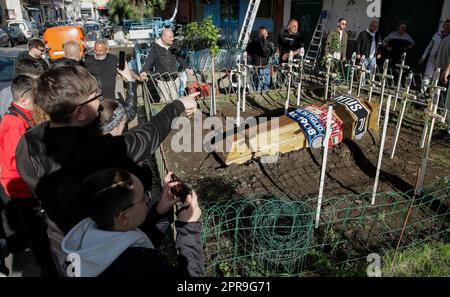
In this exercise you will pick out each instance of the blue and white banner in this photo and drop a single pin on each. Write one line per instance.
(312, 126)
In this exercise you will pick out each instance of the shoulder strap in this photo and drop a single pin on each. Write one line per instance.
(12, 110)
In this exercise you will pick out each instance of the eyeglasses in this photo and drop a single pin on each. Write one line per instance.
(100, 94)
(40, 49)
(146, 198)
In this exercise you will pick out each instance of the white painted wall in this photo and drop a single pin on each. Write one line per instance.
(445, 12)
(14, 4)
(354, 11)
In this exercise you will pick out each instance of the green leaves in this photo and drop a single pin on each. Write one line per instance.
(133, 10)
(203, 33)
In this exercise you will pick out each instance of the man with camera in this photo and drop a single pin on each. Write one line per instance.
(114, 240)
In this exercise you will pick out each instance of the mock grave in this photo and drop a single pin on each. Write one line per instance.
(301, 128)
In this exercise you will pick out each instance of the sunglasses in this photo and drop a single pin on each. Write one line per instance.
(100, 94)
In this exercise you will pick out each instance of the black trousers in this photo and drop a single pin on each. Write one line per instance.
(24, 226)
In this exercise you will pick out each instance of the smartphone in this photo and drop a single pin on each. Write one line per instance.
(122, 60)
(180, 191)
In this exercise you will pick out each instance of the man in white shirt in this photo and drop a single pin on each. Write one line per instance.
(367, 46)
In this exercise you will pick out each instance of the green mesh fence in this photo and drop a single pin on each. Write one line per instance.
(266, 235)
(275, 236)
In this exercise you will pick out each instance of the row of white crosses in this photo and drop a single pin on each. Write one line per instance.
(402, 67)
(241, 74)
(430, 114)
(292, 64)
(328, 74)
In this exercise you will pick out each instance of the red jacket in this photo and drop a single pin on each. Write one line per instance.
(11, 130)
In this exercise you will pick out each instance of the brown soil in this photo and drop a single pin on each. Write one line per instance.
(351, 165)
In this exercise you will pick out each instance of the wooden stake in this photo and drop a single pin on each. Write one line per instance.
(399, 83)
(384, 76)
(380, 155)
(244, 91)
(324, 163)
(400, 120)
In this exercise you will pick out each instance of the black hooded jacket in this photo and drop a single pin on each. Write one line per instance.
(49, 159)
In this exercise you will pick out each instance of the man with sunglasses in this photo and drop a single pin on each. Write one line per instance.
(336, 44)
(36, 51)
(24, 224)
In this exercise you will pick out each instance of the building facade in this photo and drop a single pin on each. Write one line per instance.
(39, 11)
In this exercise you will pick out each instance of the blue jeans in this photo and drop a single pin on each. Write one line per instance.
(261, 79)
(370, 63)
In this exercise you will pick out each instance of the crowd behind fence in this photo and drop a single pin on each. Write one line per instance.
(273, 77)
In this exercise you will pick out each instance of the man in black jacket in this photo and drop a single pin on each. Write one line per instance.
(290, 40)
(69, 147)
(166, 63)
(113, 240)
(368, 46)
(259, 51)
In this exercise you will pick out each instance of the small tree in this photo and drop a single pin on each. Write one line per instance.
(133, 9)
(205, 33)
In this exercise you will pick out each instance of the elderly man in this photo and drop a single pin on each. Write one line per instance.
(290, 40)
(165, 59)
(103, 66)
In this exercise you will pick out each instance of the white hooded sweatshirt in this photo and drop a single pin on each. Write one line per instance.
(98, 249)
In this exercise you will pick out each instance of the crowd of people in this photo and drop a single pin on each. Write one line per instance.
(73, 177)
(370, 49)
(73, 181)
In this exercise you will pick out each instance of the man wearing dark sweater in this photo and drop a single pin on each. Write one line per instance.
(103, 66)
(368, 46)
(166, 63)
(259, 51)
(290, 40)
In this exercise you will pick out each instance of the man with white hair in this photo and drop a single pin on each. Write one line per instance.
(103, 66)
(166, 63)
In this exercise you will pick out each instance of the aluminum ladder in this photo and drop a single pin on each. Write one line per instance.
(247, 26)
(315, 46)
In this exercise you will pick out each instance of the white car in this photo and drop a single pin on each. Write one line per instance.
(26, 27)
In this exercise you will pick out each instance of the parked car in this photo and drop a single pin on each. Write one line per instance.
(92, 31)
(55, 38)
(8, 62)
(26, 27)
(15, 35)
(4, 39)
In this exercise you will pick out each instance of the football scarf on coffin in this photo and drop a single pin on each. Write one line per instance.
(337, 133)
(358, 111)
(312, 126)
